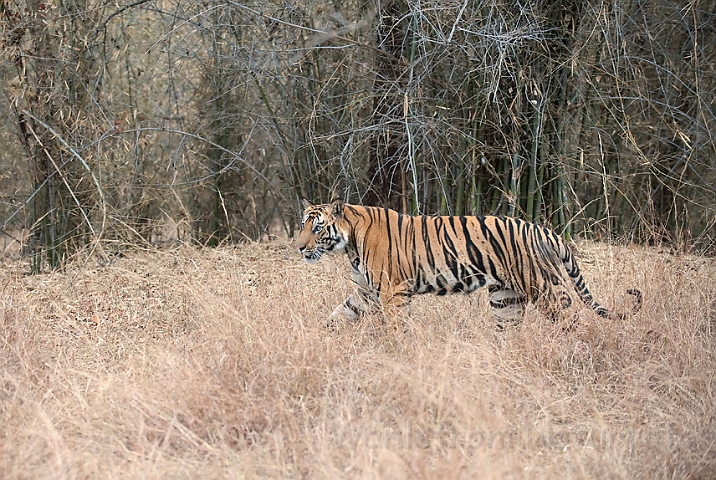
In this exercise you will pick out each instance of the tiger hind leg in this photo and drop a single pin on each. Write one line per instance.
(507, 305)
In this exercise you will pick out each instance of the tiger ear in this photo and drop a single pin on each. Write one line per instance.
(306, 204)
(337, 206)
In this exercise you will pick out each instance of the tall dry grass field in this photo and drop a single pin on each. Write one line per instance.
(196, 363)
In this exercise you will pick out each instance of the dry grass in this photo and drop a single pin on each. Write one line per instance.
(213, 364)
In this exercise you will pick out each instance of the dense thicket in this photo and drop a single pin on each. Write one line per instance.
(125, 122)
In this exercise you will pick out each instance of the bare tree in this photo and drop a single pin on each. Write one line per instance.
(149, 120)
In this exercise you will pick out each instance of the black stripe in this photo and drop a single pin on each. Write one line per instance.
(451, 255)
(430, 259)
(517, 260)
(496, 245)
(473, 253)
(389, 234)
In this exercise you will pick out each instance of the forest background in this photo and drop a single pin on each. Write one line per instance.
(125, 123)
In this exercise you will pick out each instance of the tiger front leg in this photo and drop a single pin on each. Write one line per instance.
(395, 303)
(352, 308)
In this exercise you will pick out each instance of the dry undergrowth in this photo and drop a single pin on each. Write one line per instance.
(196, 363)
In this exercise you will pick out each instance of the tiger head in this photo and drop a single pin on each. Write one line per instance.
(321, 230)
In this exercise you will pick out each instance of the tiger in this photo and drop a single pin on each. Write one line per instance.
(394, 256)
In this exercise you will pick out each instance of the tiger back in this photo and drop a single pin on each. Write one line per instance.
(394, 256)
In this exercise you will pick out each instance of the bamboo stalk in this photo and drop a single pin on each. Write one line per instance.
(532, 178)
(460, 194)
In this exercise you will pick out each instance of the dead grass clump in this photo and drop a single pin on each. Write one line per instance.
(215, 363)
